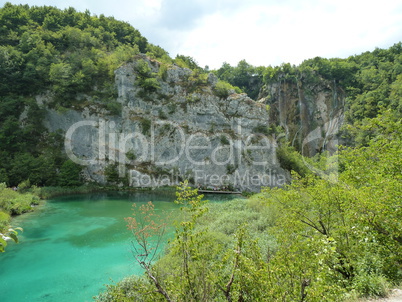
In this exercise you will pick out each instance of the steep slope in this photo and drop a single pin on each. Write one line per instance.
(310, 113)
(179, 127)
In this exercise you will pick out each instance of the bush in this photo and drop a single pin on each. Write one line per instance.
(224, 140)
(114, 107)
(224, 89)
(371, 285)
(130, 288)
(145, 126)
(262, 129)
(230, 168)
(150, 84)
(112, 173)
(21, 204)
(291, 160)
(70, 174)
(4, 221)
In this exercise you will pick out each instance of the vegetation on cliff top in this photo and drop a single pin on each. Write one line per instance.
(372, 82)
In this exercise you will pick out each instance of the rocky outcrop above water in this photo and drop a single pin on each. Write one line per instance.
(173, 125)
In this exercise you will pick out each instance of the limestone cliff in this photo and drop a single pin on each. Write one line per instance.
(172, 126)
(310, 112)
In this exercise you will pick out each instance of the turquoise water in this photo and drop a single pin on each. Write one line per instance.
(72, 246)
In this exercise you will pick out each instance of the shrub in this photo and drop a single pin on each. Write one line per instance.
(143, 69)
(261, 129)
(4, 221)
(114, 107)
(145, 126)
(21, 204)
(223, 89)
(70, 174)
(230, 168)
(371, 285)
(162, 115)
(131, 155)
(150, 84)
(163, 72)
(224, 140)
(112, 173)
(291, 160)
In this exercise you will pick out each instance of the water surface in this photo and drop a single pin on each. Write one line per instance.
(72, 246)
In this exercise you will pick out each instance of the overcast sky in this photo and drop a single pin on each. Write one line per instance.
(265, 33)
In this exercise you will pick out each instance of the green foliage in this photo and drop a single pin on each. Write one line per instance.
(371, 82)
(12, 234)
(162, 115)
(186, 62)
(65, 50)
(230, 169)
(131, 155)
(245, 76)
(223, 89)
(130, 288)
(291, 160)
(157, 52)
(163, 72)
(146, 126)
(224, 140)
(49, 192)
(261, 129)
(145, 77)
(315, 240)
(12, 202)
(196, 82)
(114, 107)
(150, 84)
(112, 173)
(371, 285)
(143, 69)
(4, 221)
(69, 175)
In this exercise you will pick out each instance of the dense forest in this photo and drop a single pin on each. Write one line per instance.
(321, 238)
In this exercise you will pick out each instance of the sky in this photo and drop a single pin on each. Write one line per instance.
(262, 32)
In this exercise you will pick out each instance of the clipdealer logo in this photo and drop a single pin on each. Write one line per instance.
(113, 146)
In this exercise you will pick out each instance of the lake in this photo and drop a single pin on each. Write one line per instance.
(74, 245)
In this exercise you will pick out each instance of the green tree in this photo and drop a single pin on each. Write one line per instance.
(70, 174)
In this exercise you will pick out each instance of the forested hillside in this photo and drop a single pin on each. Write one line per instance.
(323, 237)
(44, 50)
(72, 56)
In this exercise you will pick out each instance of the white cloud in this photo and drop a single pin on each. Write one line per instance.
(264, 32)
(265, 35)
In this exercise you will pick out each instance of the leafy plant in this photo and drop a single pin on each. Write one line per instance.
(131, 155)
(69, 175)
(145, 126)
(224, 89)
(230, 169)
(112, 173)
(12, 234)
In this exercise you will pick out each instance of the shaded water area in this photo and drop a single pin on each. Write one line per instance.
(72, 246)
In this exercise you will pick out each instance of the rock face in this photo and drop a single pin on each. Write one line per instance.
(172, 126)
(309, 112)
